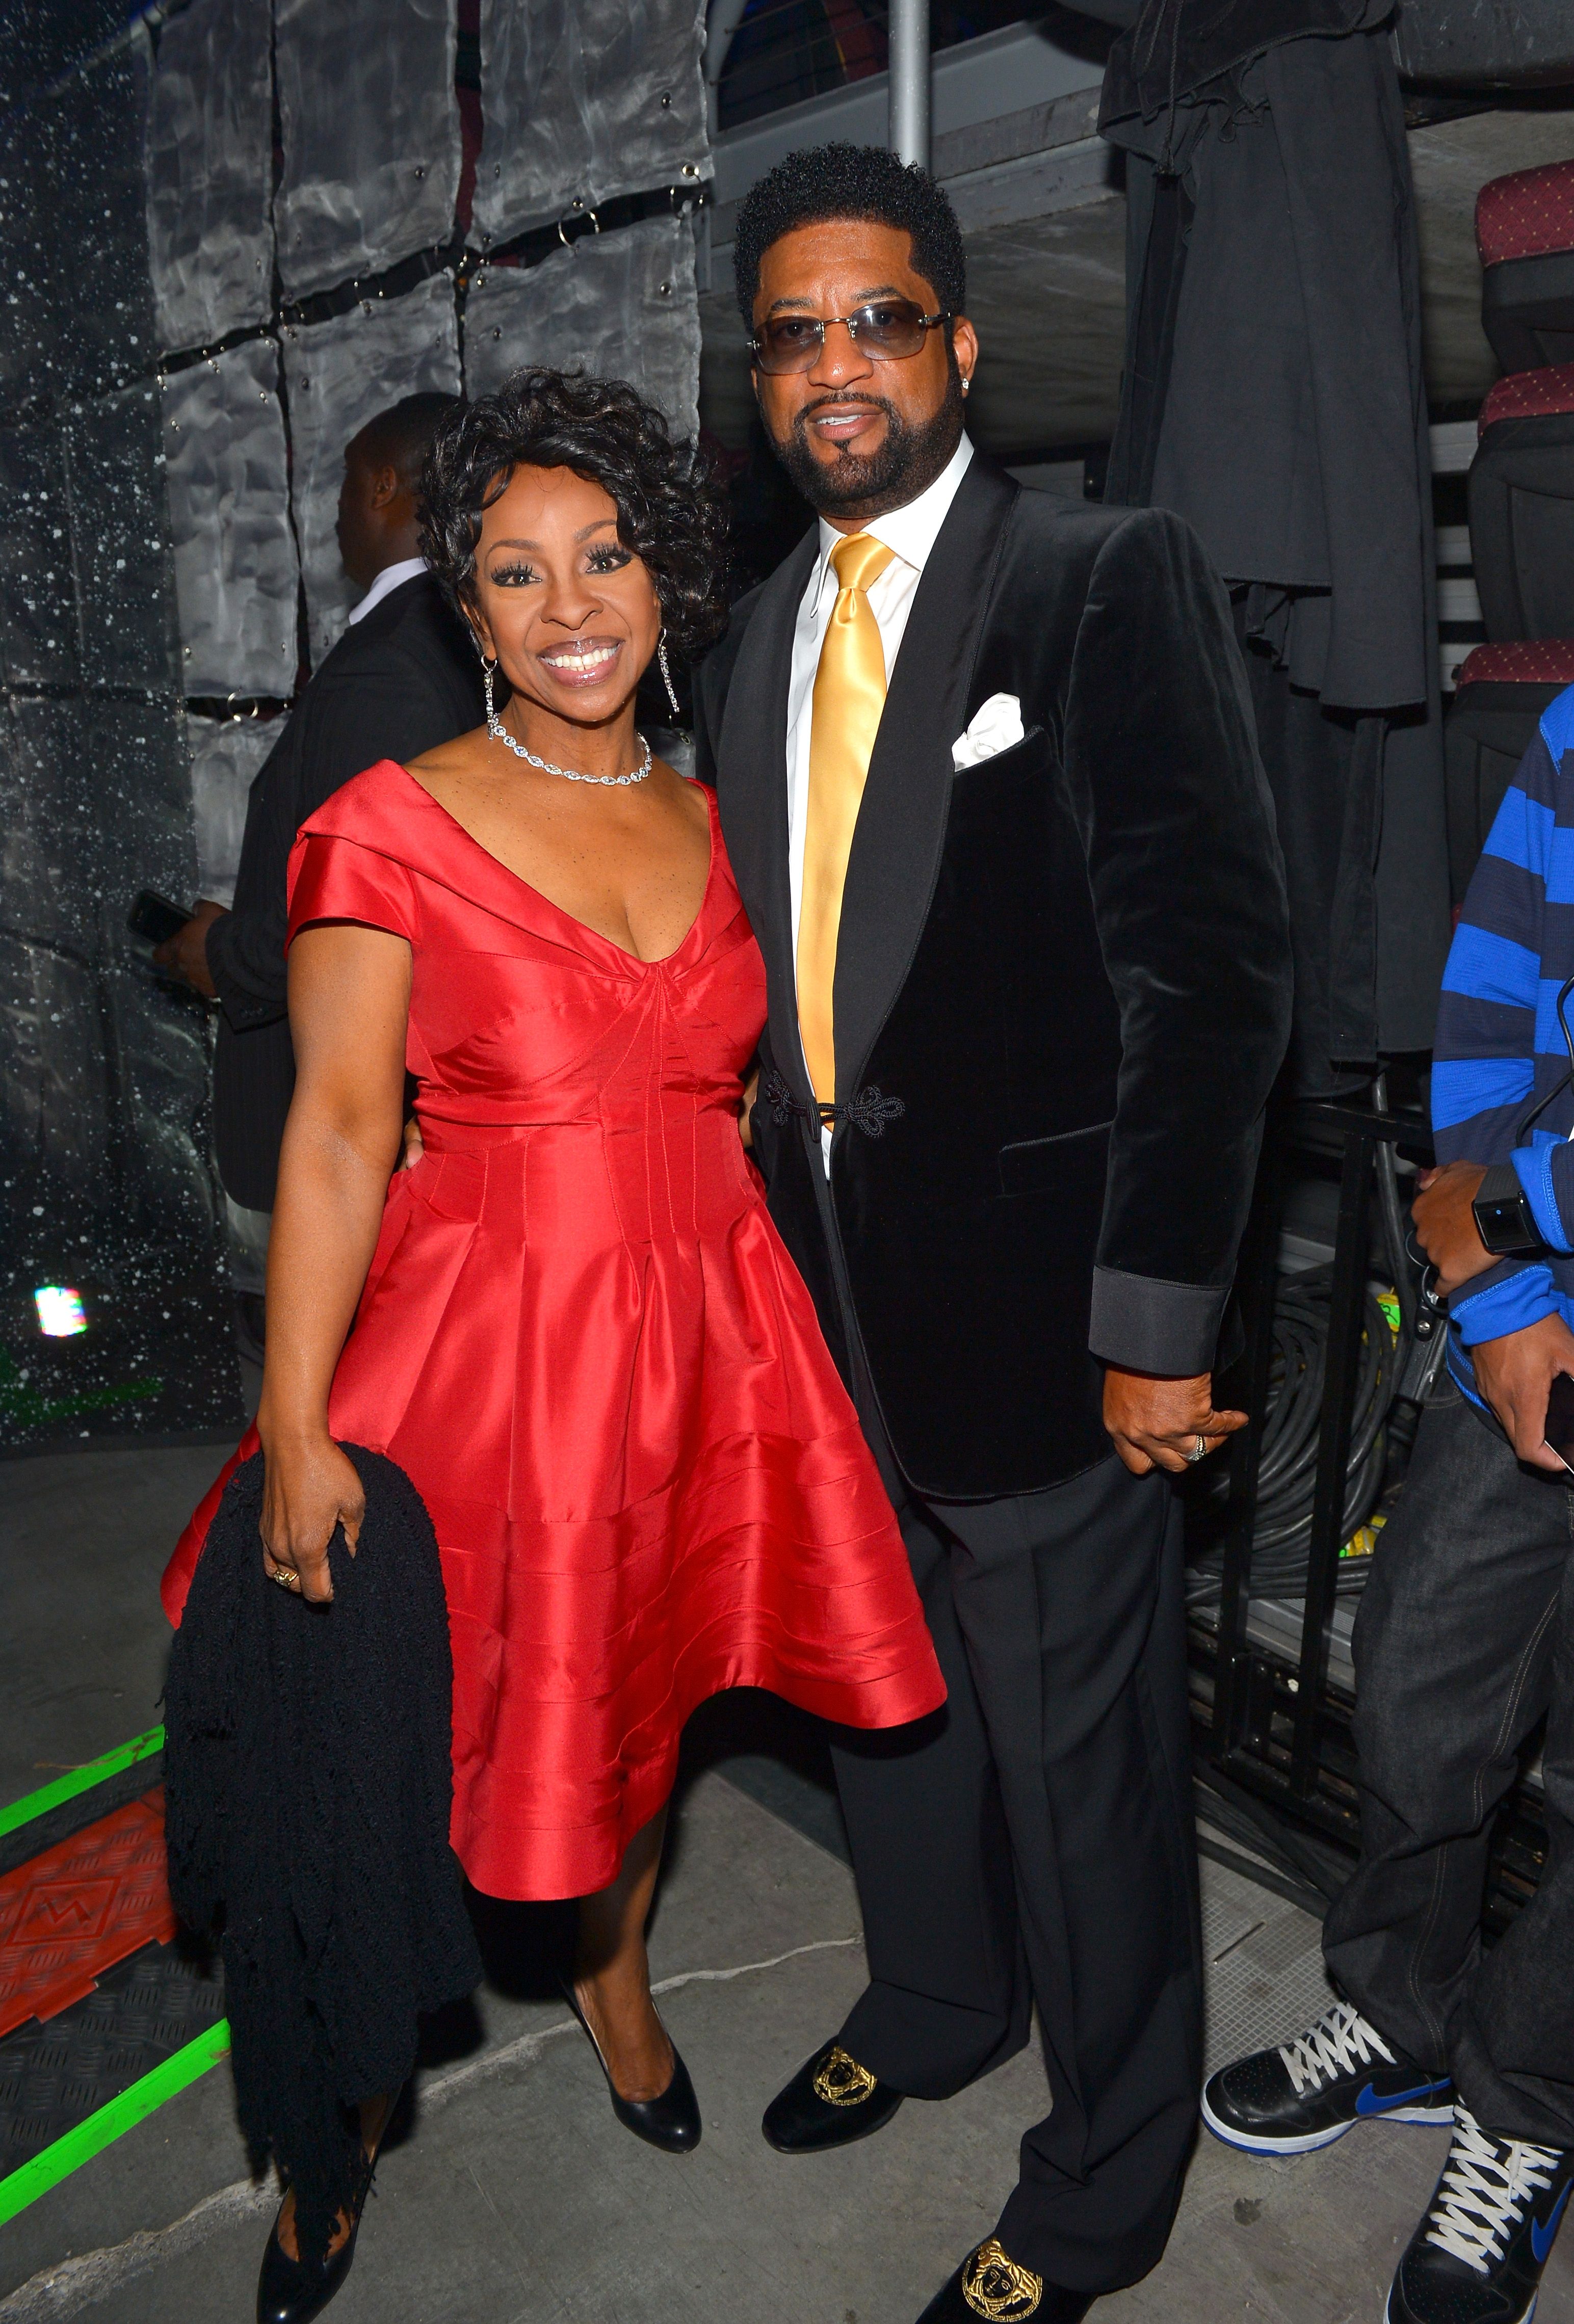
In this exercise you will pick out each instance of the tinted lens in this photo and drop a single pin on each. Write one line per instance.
(789, 343)
(889, 330)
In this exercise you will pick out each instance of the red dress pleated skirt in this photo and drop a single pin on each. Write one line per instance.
(583, 1339)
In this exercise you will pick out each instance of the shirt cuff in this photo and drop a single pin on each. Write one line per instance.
(1509, 1298)
(1144, 1325)
(1533, 1167)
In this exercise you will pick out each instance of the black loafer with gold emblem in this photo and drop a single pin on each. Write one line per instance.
(829, 2102)
(992, 2286)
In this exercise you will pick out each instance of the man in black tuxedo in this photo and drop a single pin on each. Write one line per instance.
(989, 785)
(402, 679)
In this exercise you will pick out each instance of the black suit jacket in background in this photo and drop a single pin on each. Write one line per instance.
(401, 681)
(1071, 963)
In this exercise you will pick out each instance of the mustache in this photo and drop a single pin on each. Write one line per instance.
(800, 419)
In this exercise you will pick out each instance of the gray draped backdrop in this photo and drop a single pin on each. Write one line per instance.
(195, 328)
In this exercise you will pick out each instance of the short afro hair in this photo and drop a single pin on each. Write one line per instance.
(400, 436)
(669, 509)
(850, 181)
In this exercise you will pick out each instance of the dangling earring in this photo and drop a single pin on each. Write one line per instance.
(489, 672)
(666, 672)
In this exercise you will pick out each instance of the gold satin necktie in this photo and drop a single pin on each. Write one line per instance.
(849, 694)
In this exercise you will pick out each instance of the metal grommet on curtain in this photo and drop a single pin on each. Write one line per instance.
(578, 209)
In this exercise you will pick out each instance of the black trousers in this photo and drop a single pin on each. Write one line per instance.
(1464, 1638)
(1032, 1842)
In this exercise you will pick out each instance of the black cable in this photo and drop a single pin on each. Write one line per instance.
(1241, 1816)
(1292, 1891)
(1287, 1468)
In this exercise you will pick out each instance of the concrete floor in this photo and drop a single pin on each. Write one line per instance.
(513, 2196)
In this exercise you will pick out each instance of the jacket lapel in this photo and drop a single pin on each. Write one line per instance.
(751, 788)
(902, 822)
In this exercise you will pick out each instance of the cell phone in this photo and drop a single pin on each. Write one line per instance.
(1558, 1429)
(154, 918)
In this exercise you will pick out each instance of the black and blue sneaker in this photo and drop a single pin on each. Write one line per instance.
(1478, 2256)
(1309, 2092)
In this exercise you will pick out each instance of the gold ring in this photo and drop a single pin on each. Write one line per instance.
(1201, 1449)
(288, 1576)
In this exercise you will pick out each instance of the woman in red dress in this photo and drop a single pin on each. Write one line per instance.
(573, 1323)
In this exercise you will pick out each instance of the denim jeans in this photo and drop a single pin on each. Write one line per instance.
(1465, 1637)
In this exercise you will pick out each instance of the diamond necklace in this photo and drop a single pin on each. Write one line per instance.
(500, 734)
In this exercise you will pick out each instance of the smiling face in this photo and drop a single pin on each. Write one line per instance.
(858, 437)
(571, 615)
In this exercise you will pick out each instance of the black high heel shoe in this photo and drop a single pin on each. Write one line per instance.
(671, 2121)
(294, 2291)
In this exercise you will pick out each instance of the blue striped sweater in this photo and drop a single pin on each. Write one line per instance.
(1499, 1047)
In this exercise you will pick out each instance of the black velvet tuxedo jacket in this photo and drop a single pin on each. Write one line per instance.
(400, 681)
(1071, 963)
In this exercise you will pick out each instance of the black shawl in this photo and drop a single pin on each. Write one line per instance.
(308, 1781)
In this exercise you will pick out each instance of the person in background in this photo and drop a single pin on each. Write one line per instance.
(403, 678)
(1464, 1638)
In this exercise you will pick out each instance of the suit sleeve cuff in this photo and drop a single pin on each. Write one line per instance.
(1147, 1326)
(243, 1005)
(1534, 1169)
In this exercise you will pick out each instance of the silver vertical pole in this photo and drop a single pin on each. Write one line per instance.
(909, 134)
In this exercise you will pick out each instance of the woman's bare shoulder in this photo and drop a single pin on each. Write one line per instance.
(451, 762)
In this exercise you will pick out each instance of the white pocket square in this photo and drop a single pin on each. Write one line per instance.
(994, 727)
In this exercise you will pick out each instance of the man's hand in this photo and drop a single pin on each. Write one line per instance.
(1445, 1224)
(1157, 1420)
(1516, 1375)
(186, 952)
(415, 1144)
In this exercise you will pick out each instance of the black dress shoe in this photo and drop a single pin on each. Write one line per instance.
(294, 2290)
(829, 2102)
(671, 2121)
(990, 2286)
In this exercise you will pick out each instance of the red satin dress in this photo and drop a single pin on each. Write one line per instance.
(584, 1341)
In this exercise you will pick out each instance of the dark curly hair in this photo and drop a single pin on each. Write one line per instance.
(669, 510)
(850, 181)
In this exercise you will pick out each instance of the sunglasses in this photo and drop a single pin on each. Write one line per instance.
(888, 330)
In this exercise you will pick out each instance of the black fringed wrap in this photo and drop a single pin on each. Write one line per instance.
(308, 1780)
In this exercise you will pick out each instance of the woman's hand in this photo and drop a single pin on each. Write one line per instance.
(309, 1487)
(751, 1091)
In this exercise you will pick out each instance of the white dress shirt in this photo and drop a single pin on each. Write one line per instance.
(911, 532)
(391, 576)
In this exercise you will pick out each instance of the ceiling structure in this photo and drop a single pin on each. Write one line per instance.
(1043, 215)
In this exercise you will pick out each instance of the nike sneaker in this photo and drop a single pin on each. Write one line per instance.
(1309, 2092)
(1478, 2256)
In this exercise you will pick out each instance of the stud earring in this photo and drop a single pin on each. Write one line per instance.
(967, 383)
(666, 672)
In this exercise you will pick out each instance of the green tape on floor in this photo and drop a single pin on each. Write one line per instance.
(81, 1779)
(112, 2121)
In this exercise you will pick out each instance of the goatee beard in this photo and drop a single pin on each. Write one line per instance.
(867, 484)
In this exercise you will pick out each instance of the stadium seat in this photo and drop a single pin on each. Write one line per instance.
(1522, 505)
(1502, 692)
(1524, 232)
